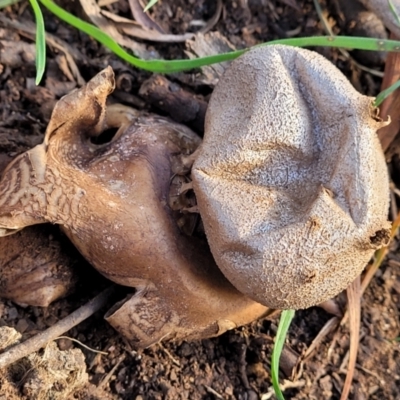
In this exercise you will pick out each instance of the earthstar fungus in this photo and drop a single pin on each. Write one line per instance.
(290, 181)
(113, 201)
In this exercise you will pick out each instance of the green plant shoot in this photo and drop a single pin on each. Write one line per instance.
(394, 12)
(5, 3)
(284, 323)
(150, 4)
(164, 66)
(40, 41)
(385, 93)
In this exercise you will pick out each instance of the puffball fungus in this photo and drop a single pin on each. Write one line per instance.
(290, 179)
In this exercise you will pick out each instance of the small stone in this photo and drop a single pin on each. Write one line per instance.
(12, 313)
(64, 344)
(172, 376)
(252, 395)
(22, 325)
(229, 390)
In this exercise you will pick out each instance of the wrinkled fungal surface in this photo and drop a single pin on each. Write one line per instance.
(35, 266)
(290, 179)
(119, 202)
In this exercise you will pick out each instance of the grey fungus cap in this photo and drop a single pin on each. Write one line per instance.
(291, 180)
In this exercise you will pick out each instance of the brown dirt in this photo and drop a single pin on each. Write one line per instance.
(237, 364)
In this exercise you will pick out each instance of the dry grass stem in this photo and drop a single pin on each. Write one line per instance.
(40, 340)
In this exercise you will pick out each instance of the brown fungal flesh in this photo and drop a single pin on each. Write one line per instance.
(35, 268)
(36, 265)
(112, 201)
(290, 179)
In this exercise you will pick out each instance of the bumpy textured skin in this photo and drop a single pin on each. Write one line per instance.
(290, 179)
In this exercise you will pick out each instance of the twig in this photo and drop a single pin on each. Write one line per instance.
(391, 75)
(214, 19)
(344, 52)
(390, 105)
(213, 392)
(70, 52)
(174, 360)
(93, 11)
(329, 326)
(82, 344)
(132, 28)
(379, 256)
(143, 18)
(111, 373)
(40, 340)
(284, 386)
(354, 308)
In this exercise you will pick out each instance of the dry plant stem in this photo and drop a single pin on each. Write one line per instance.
(35, 343)
(371, 270)
(70, 53)
(143, 18)
(354, 308)
(214, 19)
(132, 28)
(344, 52)
(391, 75)
(93, 11)
(379, 257)
(139, 30)
(326, 330)
(391, 106)
(107, 378)
(180, 104)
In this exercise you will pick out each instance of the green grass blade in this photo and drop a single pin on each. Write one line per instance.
(394, 12)
(163, 66)
(5, 3)
(40, 41)
(284, 323)
(385, 93)
(150, 4)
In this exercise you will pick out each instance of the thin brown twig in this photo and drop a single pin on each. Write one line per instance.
(132, 28)
(143, 18)
(38, 341)
(390, 106)
(379, 257)
(107, 378)
(344, 52)
(82, 344)
(70, 53)
(330, 326)
(354, 309)
(214, 19)
(92, 10)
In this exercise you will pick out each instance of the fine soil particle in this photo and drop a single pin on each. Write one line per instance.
(235, 365)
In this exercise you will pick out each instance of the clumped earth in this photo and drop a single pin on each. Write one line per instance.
(235, 365)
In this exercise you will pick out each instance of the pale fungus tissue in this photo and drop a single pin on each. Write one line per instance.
(290, 181)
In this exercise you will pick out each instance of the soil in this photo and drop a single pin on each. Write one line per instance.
(235, 365)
